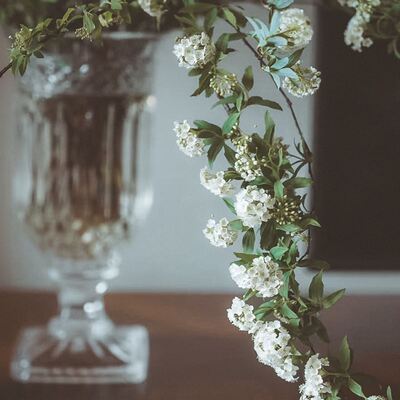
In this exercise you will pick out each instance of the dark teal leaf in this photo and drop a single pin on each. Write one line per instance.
(345, 355)
(355, 388)
(230, 205)
(248, 78)
(278, 252)
(230, 122)
(257, 100)
(333, 298)
(248, 241)
(316, 289)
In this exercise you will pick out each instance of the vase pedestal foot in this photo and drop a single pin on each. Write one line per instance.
(121, 356)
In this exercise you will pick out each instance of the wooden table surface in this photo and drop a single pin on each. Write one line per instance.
(195, 352)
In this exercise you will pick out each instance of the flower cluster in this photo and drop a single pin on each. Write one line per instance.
(246, 163)
(269, 210)
(273, 348)
(307, 82)
(223, 84)
(314, 387)
(253, 206)
(241, 315)
(287, 210)
(194, 51)
(296, 27)
(220, 234)
(187, 140)
(154, 8)
(263, 276)
(354, 34)
(216, 183)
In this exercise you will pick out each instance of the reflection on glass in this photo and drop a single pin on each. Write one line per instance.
(81, 186)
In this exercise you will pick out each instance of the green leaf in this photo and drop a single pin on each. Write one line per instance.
(249, 294)
(230, 205)
(268, 305)
(278, 189)
(257, 100)
(313, 263)
(355, 388)
(222, 42)
(249, 239)
(269, 127)
(227, 100)
(298, 182)
(333, 298)
(207, 126)
(267, 235)
(230, 17)
(230, 122)
(316, 289)
(309, 222)
(284, 290)
(116, 5)
(210, 18)
(239, 102)
(204, 134)
(278, 252)
(229, 175)
(230, 154)
(88, 22)
(247, 258)
(289, 228)
(248, 78)
(290, 315)
(214, 150)
(345, 355)
(237, 225)
(260, 181)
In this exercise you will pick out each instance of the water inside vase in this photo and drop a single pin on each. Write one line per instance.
(82, 175)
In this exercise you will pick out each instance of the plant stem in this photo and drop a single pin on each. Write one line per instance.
(289, 103)
(5, 69)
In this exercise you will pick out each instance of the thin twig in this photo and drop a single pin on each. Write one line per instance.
(5, 69)
(288, 102)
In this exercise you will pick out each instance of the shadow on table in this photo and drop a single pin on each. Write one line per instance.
(16, 391)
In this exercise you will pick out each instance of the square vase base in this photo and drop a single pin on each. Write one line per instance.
(119, 357)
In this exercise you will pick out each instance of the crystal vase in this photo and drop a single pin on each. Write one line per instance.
(81, 186)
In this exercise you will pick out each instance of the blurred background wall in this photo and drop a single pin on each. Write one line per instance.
(169, 252)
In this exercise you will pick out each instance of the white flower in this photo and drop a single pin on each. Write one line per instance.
(194, 51)
(240, 276)
(241, 315)
(253, 206)
(263, 275)
(215, 183)
(355, 31)
(314, 387)
(376, 398)
(246, 163)
(272, 345)
(308, 82)
(296, 27)
(223, 84)
(152, 7)
(187, 140)
(220, 234)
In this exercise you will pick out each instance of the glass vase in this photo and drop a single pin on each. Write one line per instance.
(81, 186)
